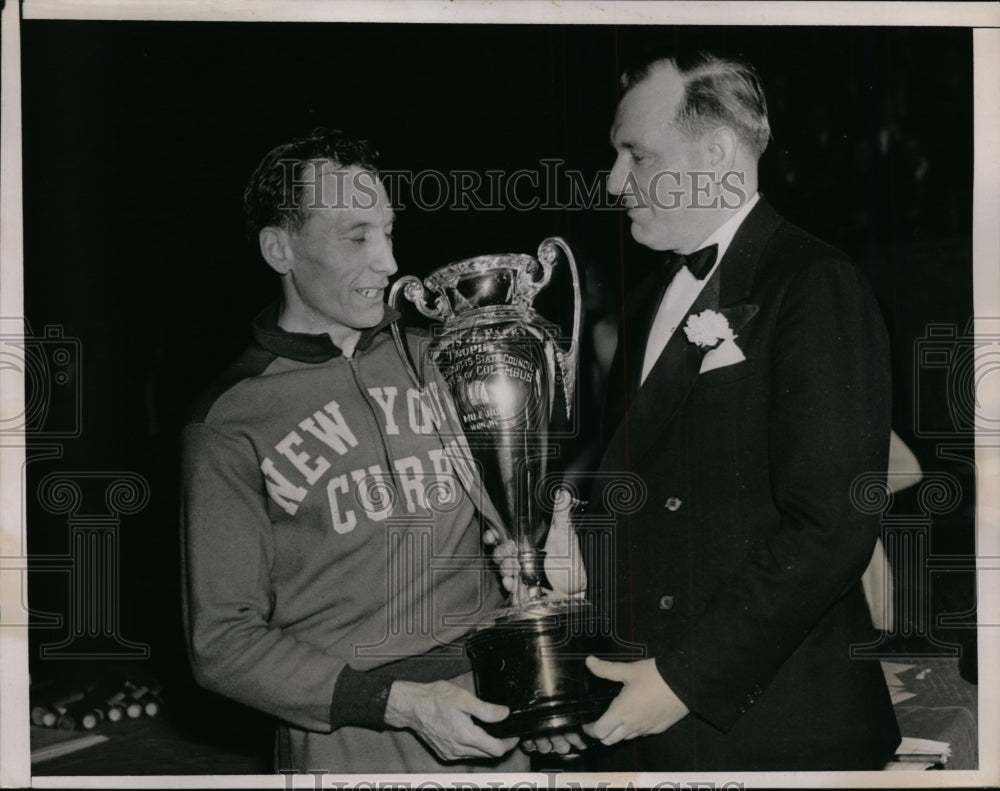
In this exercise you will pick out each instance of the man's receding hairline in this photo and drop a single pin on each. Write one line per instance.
(713, 65)
(670, 65)
(650, 72)
(707, 66)
(667, 66)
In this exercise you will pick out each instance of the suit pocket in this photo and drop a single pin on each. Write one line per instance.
(724, 375)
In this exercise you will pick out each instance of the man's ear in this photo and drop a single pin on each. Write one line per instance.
(276, 248)
(721, 145)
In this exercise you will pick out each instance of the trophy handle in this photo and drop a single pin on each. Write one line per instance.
(570, 358)
(411, 288)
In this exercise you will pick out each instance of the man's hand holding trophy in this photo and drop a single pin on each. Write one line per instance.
(563, 564)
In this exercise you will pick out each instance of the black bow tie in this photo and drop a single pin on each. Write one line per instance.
(699, 263)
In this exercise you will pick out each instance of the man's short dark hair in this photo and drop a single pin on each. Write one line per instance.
(717, 91)
(273, 195)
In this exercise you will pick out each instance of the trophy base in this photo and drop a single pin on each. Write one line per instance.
(534, 665)
(538, 722)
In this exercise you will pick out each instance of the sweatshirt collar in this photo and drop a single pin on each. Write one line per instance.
(306, 347)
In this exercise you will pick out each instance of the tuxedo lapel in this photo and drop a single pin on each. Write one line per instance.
(637, 424)
(670, 379)
(623, 377)
(739, 264)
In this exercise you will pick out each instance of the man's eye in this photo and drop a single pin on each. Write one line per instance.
(640, 159)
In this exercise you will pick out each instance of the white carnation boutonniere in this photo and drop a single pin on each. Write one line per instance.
(710, 332)
(708, 329)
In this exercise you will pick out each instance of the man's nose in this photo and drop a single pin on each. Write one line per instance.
(616, 178)
(384, 261)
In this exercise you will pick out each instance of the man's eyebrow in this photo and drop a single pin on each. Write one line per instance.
(628, 145)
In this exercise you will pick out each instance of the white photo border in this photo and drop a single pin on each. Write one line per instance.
(15, 770)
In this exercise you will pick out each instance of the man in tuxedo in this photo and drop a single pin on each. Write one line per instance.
(749, 403)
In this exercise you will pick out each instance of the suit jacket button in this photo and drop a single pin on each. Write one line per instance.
(741, 709)
(672, 503)
(666, 602)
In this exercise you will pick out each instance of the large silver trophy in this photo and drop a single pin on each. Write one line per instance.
(510, 380)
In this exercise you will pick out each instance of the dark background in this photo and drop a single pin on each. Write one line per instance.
(138, 139)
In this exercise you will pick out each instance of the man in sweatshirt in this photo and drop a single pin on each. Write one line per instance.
(333, 558)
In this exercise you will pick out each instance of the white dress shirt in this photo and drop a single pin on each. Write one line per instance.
(685, 288)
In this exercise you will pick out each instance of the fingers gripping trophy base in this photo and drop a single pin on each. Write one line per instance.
(534, 665)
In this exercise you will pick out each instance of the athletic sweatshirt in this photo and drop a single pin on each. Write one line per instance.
(332, 536)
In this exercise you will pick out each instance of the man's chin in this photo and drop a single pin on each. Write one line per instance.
(643, 237)
(360, 321)
(374, 316)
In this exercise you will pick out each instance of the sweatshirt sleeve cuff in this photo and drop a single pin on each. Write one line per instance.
(359, 699)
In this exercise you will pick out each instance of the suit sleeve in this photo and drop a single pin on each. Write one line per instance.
(228, 550)
(829, 423)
